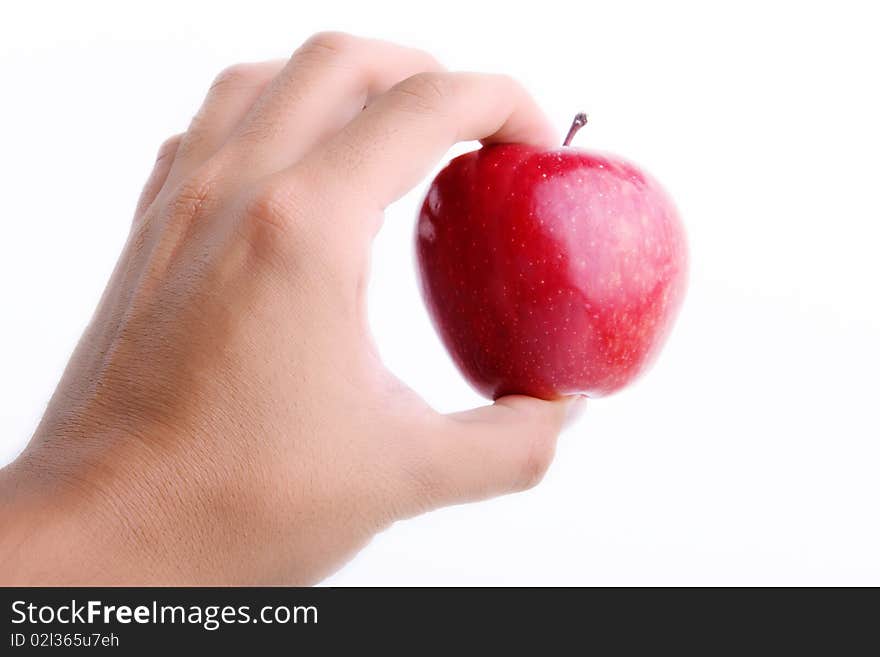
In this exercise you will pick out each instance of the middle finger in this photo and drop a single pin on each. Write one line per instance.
(326, 83)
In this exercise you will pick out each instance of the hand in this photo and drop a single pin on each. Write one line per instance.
(225, 417)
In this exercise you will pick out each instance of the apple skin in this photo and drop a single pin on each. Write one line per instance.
(550, 272)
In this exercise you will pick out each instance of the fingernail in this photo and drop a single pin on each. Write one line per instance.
(576, 407)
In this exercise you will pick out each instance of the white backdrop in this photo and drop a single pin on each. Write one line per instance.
(748, 455)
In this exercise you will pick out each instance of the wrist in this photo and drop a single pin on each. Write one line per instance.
(43, 533)
(113, 507)
(59, 526)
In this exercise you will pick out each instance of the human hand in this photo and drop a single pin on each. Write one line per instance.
(225, 417)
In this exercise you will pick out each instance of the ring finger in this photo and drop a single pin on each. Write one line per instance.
(231, 96)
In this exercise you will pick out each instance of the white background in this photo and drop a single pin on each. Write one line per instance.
(748, 455)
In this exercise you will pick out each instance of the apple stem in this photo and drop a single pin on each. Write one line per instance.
(580, 120)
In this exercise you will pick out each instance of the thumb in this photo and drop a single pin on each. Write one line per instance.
(497, 449)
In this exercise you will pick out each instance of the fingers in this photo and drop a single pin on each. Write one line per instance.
(395, 141)
(232, 94)
(492, 450)
(325, 85)
(164, 160)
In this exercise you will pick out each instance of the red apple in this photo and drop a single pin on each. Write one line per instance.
(550, 272)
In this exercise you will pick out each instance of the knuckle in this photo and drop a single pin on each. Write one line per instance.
(273, 215)
(509, 87)
(425, 92)
(428, 61)
(232, 77)
(514, 88)
(508, 81)
(271, 204)
(195, 197)
(326, 45)
(169, 147)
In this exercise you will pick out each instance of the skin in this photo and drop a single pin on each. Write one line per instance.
(225, 418)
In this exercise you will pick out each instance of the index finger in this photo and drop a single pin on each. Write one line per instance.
(393, 143)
